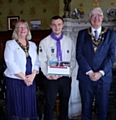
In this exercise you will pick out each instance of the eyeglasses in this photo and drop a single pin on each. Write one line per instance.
(96, 15)
(22, 27)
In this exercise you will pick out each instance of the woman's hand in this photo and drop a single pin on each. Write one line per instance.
(30, 78)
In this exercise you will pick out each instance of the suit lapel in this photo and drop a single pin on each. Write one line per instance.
(89, 39)
(102, 41)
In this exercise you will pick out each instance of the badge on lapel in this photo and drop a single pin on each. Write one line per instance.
(52, 51)
(40, 49)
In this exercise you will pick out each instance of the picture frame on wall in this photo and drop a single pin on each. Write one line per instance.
(35, 24)
(11, 21)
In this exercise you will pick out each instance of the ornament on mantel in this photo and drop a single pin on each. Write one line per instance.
(77, 13)
(111, 12)
(67, 8)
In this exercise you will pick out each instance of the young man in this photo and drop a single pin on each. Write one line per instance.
(95, 54)
(56, 47)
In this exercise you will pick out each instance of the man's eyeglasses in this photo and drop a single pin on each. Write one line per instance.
(97, 15)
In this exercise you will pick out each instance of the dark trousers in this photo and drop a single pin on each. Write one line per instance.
(100, 91)
(52, 88)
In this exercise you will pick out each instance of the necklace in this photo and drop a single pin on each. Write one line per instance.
(97, 42)
(25, 48)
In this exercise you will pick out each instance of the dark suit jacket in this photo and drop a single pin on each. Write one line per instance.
(102, 59)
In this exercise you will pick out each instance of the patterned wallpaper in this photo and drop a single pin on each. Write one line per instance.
(45, 9)
(28, 10)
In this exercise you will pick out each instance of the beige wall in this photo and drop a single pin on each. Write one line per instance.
(45, 9)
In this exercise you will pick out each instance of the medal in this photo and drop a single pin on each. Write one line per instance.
(40, 49)
(95, 48)
(52, 51)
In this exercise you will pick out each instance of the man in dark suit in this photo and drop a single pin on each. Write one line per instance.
(95, 54)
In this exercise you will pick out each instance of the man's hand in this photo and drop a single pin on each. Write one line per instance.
(91, 75)
(30, 78)
(94, 76)
(97, 75)
(54, 77)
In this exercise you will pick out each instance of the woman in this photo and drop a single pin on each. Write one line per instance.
(22, 66)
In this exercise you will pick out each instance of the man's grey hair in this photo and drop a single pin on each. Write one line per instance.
(94, 10)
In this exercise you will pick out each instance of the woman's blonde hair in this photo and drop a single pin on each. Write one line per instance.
(15, 36)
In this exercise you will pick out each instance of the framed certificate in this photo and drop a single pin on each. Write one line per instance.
(59, 68)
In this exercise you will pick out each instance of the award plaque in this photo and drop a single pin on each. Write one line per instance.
(59, 68)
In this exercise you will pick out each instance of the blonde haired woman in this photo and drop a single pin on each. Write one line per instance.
(22, 66)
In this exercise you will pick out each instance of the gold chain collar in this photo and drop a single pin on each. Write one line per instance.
(25, 48)
(96, 42)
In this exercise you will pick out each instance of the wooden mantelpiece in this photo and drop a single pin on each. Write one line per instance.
(37, 36)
